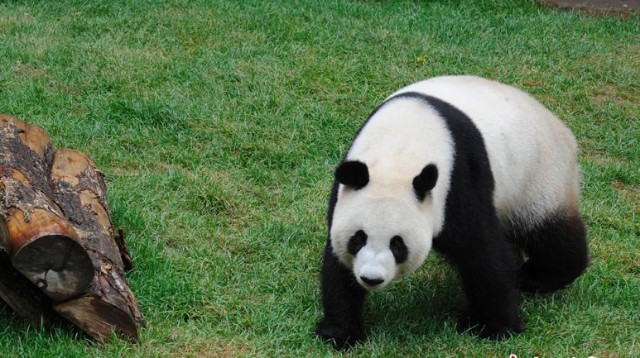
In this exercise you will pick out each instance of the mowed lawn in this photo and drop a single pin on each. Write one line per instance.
(218, 125)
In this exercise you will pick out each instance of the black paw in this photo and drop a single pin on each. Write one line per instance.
(536, 281)
(536, 286)
(496, 331)
(339, 336)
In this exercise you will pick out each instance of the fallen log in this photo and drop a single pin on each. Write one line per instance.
(108, 305)
(41, 243)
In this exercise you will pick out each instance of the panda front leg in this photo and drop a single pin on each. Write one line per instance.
(489, 275)
(342, 301)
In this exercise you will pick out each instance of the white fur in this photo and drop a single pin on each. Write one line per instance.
(532, 153)
(396, 144)
(532, 157)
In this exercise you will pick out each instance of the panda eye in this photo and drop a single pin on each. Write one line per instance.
(357, 242)
(399, 249)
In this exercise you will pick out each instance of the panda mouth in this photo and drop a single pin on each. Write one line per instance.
(371, 284)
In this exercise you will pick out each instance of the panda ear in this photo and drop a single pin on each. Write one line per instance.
(352, 174)
(425, 181)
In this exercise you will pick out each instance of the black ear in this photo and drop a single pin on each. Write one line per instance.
(353, 174)
(425, 181)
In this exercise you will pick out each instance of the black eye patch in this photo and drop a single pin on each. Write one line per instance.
(399, 249)
(357, 241)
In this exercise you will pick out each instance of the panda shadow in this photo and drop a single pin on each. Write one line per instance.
(424, 304)
(428, 304)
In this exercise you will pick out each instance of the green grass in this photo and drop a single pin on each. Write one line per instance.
(218, 124)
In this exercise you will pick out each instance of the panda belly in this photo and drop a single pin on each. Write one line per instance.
(531, 153)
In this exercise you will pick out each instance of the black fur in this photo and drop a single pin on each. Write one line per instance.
(353, 174)
(472, 239)
(357, 242)
(425, 181)
(399, 249)
(488, 260)
(557, 251)
(342, 296)
(342, 299)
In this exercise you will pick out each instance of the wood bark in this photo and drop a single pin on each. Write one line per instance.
(108, 304)
(41, 243)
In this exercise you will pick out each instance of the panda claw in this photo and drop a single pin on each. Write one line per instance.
(491, 331)
(340, 338)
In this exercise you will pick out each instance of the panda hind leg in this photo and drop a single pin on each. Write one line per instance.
(558, 254)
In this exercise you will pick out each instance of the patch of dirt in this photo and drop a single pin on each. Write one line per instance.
(29, 71)
(630, 192)
(624, 7)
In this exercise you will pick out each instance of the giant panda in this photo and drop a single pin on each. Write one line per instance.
(475, 169)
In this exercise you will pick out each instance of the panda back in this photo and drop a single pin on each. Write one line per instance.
(531, 152)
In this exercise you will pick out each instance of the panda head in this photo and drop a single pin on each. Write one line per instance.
(382, 229)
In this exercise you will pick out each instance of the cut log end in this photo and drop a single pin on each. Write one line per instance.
(21, 295)
(98, 319)
(56, 264)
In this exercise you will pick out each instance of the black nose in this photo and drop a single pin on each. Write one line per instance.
(371, 281)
